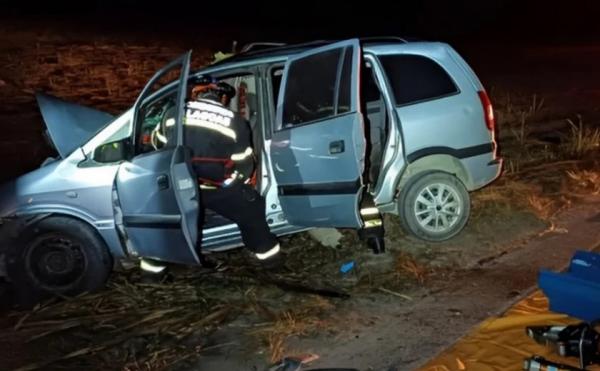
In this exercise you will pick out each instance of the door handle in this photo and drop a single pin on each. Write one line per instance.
(163, 182)
(336, 147)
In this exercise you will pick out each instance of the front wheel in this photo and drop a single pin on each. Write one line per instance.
(58, 256)
(434, 207)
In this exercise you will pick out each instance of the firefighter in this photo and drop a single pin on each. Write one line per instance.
(224, 162)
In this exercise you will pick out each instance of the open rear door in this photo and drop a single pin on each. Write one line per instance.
(157, 192)
(318, 147)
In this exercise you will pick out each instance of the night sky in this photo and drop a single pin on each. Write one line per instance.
(481, 20)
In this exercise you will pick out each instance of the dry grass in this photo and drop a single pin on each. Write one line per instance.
(135, 326)
(543, 207)
(513, 109)
(585, 181)
(407, 266)
(302, 321)
(581, 139)
(526, 194)
(539, 175)
(523, 132)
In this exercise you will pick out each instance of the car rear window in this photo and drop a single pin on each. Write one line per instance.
(415, 78)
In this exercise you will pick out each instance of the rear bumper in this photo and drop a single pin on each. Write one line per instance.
(496, 166)
(482, 170)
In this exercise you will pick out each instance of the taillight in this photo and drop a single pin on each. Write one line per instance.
(488, 110)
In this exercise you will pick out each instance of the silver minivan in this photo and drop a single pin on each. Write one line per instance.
(407, 124)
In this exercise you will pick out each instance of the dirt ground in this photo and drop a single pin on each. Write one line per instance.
(392, 311)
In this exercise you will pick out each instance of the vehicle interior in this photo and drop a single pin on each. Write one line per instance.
(377, 120)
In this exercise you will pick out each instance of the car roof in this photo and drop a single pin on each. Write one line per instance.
(279, 52)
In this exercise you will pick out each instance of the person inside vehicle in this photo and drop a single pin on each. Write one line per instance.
(224, 162)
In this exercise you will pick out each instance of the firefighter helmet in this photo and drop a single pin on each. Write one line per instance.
(207, 87)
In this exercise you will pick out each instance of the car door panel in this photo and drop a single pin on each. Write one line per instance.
(311, 154)
(319, 164)
(157, 193)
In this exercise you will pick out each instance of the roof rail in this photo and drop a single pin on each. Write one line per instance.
(260, 45)
(383, 39)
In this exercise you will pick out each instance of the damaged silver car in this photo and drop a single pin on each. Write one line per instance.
(407, 123)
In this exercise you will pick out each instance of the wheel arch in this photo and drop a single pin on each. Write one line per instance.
(104, 230)
(432, 163)
(30, 287)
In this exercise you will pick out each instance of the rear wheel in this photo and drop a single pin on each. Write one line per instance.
(58, 256)
(434, 207)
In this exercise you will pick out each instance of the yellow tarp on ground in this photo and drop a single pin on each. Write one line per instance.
(501, 343)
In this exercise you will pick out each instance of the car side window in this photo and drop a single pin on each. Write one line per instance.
(118, 130)
(317, 87)
(416, 78)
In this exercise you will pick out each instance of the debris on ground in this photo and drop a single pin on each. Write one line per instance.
(328, 237)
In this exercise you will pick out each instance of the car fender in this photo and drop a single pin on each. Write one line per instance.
(437, 162)
(14, 226)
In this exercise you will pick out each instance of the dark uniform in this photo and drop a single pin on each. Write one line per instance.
(223, 160)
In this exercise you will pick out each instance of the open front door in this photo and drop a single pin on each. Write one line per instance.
(157, 193)
(318, 147)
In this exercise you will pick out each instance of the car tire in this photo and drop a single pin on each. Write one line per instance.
(434, 206)
(57, 256)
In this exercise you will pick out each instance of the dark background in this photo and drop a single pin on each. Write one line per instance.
(218, 20)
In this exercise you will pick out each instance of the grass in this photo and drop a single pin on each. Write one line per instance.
(543, 207)
(540, 175)
(140, 326)
(585, 181)
(300, 321)
(581, 139)
(406, 266)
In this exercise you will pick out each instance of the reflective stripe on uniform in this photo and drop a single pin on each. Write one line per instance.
(373, 223)
(211, 108)
(268, 254)
(243, 155)
(211, 126)
(151, 266)
(369, 211)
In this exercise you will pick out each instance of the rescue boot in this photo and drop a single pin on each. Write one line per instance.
(271, 259)
(153, 272)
